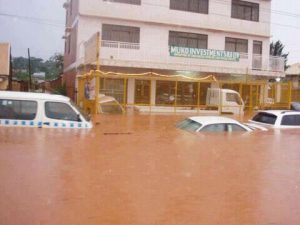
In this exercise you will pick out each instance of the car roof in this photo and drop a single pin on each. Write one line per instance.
(212, 119)
(279, 112)
(33, 96)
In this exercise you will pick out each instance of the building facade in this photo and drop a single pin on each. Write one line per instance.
(228, 39)
(4, 65)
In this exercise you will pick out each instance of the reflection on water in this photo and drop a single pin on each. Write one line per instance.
(139, 169)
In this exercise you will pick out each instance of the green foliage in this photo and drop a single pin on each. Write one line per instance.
(61, 90)
(276, 49)
(53, 67)
(21, 75)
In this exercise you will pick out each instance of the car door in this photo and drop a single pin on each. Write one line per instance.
(61, 115)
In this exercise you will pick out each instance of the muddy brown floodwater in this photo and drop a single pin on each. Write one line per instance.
(140, 170)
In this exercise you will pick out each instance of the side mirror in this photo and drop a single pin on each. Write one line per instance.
(78, 118)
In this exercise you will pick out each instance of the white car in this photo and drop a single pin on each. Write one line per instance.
(277, 119)
(109, 105)
(215, 124)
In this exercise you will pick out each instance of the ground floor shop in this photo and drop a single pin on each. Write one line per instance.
(155, 89)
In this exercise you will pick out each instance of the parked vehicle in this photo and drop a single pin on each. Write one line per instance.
(277, 119)
(215, 124)
(109, 105)
(228, 101)
(295, 106)
(20, 109)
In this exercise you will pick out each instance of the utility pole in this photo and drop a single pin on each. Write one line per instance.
(10, 72)
(29, 70)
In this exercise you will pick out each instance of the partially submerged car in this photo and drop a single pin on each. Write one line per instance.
(295, 106)
(277, 119)
(19, 109)
(109, 105)
(215, 124)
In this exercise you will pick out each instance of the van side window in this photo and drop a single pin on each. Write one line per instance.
(18, 109)
(60, 111)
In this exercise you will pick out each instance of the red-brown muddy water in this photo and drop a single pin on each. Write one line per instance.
(140, 170)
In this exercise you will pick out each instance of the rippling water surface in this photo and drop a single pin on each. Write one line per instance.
(140, 170)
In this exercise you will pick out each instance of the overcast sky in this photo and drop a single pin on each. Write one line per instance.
(43, 34)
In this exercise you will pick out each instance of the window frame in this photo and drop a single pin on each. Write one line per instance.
(109, 29)
(236, 42)
(256, 43)
(179, 36)
(237, 5)
(189, 5)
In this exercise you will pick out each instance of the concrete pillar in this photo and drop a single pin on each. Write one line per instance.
(153, 92)
(278, 93)
(130, 91)
(250, 53)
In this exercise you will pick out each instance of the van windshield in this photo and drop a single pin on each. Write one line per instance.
(233, 97)
(84, 114)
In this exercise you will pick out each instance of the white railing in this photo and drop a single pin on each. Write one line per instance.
(273, 63)
(132, 52)
(116, 44)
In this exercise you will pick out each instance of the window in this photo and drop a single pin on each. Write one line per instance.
(188, 40)
(165, 92)
(245, 10)
(120, 33)
(197, 6)
(265, 118)
(236, 45)
(133, 2)
(235, 128)
(189, 125)
(257, 47)
(60, 111)
(18, 110)
(142, 91)
(214, 128)
(291, 120)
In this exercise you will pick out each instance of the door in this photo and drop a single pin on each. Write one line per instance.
(62, 115)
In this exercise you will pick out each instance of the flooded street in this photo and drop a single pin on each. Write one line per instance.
(141, 170)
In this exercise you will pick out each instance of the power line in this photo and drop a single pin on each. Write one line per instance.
(35, 20)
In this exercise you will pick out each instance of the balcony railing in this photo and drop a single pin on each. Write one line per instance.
(133, 52)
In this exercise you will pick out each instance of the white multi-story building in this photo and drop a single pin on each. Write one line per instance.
(224, 38)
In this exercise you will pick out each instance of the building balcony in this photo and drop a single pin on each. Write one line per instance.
(122, 54)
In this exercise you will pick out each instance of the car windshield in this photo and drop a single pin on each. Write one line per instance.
(84, 114)
(265, 118)
(111, 107)
(189, 125)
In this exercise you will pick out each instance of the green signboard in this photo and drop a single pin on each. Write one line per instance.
(204, 53)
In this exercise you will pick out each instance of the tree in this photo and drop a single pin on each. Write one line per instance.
(53, 67)
(276, 49)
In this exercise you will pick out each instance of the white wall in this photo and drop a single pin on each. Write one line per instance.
(154, 39)
(158, 12)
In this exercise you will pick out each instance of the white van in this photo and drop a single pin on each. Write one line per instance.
(22, 109)
(229, 100)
